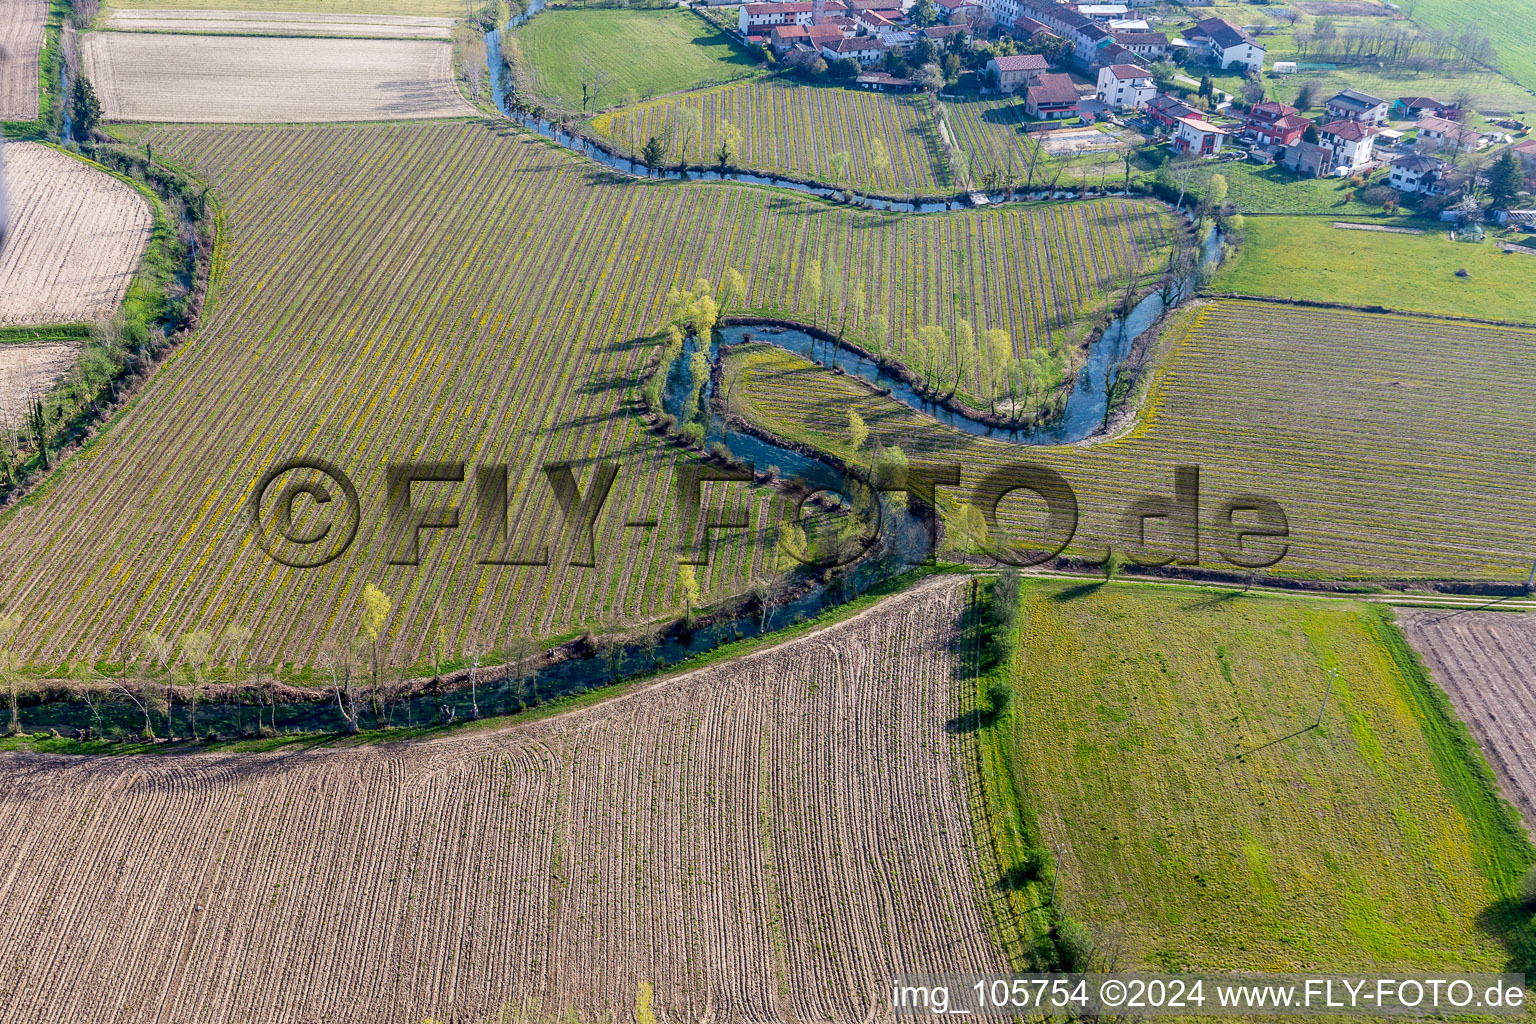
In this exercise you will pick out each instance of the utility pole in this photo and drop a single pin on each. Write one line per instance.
(1056, 875)
(1333, 674)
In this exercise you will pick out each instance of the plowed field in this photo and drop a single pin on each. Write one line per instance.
(78, 234)
(764, 840)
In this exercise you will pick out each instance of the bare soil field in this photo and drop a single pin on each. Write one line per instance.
(763, 840)
(77, 236)
(247, 23)
(158, 76)
(21, 39)
(1486, 662)
(27, 371)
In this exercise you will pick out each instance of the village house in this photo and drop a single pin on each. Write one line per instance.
(1437, 133)
(1226, 45)
(1025, 27)
(1308, 158)
(1151, 46)
(1016, 72)
(1353, 105)
(938, 32)
(1526, 151)
(1196, 136)
(1352, 144)
(1103, 12)
(784, 38)
(1166, 110)
(1270, 123)
(818, 36)
(1409, 108)
(958, 12)
(864, 49)
(759, 19)
(1420, 175)
(1051, 98)
(1125, 87)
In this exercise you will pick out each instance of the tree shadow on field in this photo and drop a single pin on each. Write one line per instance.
(1019, 877)
(999, 696)
(1213, 600)
(1074, 593)
(1510, 921)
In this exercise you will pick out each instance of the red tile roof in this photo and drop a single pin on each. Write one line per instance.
(1349, 131)
(1053, 89)
(1128, 71)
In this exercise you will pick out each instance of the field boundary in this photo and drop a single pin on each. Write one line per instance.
(1276, 300)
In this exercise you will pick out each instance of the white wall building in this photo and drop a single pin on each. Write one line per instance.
(1125, 87)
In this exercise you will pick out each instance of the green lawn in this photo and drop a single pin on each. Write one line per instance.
(1509, 23)
(1375, 840)
(1256, 188)
(640, 54)
(1309, 258)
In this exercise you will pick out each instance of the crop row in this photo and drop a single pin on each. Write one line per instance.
(772, 839)
(452, 292)
(796, 131)
(1329, 412)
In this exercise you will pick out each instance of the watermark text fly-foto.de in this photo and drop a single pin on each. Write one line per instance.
(305, 512)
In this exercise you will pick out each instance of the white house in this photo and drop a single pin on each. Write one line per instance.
(759, 19)
(1126, 87)
(1018, 71)
(1198, 137)
(1352, 144)
(1226, 45)
(864, 49)
(1353, 105)
(1420, 174)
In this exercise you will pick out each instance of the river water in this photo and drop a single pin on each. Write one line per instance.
(904, 539)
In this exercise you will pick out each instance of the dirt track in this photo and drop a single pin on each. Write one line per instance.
(77, 235)
(1486, 662)
(21, 40)
(766, 840)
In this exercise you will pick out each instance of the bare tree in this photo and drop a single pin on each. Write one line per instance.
(595, 80)
(10, 668)
(196, 652)
(340, 663)
(160, 653)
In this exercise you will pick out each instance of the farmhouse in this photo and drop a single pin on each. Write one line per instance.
(1125, 87)
(880, 81)
(1437, 133)
(1352, 144)
(1226, 45)
(1419, 174)
(1353, 105)
(1198, 137)
(1051, 97)
(1018, 71)
(1270, 123)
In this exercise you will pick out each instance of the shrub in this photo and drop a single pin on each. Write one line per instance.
(1379, 195)
(1074, 946)
(1528, 888)
(693, 434)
